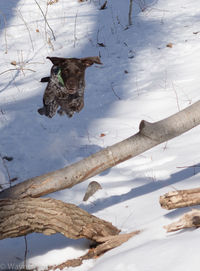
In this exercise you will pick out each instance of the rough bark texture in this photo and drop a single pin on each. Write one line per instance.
(180, 198)
(50, 216)
(188, 220)
(149, 135)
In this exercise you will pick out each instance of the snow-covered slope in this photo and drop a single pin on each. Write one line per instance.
(150, 71)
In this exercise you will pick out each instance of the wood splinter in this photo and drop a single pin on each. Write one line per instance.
(20, 217)
(188, 220)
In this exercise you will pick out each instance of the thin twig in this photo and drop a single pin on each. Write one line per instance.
(25, 253)
(115, 92)
(130, 13)
(25, 23)
(75, 38)
(104, 5)
(21, 62)
(45, 19)
(45, 25)
(177, 101)
(6, 168)
(17, 69)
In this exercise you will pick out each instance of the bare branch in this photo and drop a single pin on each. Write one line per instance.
(149, 135)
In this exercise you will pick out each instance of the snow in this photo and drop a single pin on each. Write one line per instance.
(141, 78)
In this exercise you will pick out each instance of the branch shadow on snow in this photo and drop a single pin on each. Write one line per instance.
(142, 190)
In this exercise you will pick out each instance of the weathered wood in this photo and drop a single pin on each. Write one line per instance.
(188, 220)
(20, 217)
(180, 198)
(108, 244)
(149, 135)
(93, 187)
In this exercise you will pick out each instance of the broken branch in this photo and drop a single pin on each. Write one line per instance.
(180, 199)
(188, 220)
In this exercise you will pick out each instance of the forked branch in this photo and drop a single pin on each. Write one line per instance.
(149, 135)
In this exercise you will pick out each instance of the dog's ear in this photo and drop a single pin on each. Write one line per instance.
(88, 61)
(56, 60)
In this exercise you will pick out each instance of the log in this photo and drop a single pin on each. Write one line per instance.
(188, 220)
(149, 135)
(20, 217)
(180, 198)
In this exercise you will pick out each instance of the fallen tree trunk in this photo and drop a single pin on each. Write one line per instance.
(149, 135)
(188, 220)
(180, 198)
(20, 217)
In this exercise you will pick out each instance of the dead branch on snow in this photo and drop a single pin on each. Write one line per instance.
(149, 135)
(180, 198)
(188, 220)
(20, 217)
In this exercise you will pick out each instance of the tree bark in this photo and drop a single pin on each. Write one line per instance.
(108, 244)
(149, 135)
(20, 217)
(180, 198)
(188, 220)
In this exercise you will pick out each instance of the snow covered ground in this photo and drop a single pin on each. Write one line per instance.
(141, 78)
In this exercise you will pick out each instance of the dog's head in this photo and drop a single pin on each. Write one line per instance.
(73, 71)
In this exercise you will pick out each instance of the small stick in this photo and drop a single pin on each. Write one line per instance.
(25, 23)
(130, 13)
(45, 19)
(104, 5)
(115, 92)
(177, 101)
(6, 168)
(25, 253)
(188, 220)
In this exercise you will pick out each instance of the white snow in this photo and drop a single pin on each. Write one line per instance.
(141, 78)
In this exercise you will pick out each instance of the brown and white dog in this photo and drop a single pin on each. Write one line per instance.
(66, 85)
